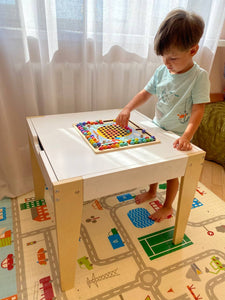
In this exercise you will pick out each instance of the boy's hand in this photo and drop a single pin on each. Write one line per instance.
(123, 117)
(182, 144)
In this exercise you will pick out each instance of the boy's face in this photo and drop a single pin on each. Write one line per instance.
(178, 61)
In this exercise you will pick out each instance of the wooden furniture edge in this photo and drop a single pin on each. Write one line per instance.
(187, 190)
(68, 203)
(216, 97)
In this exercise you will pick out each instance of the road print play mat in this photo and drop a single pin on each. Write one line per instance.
(123, 255)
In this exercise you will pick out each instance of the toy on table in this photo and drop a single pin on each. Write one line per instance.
(106, 135)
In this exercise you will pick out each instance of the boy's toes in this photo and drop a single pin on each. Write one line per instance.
(155, 218)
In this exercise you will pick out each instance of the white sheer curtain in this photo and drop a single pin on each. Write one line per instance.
(63, 56)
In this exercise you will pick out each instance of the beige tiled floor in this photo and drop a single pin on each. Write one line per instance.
(213, 177)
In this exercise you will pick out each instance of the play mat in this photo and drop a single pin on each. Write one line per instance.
(122, 255)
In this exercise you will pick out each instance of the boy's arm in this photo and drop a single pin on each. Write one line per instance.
(183, 143)
(123, 117)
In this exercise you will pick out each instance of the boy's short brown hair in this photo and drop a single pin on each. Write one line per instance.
(180, 29)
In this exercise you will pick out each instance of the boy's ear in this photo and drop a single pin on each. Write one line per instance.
(194, 50)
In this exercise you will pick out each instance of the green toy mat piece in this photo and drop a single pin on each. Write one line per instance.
(162, 186)
(160, 243)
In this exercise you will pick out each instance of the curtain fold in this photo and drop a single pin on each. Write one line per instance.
(63, 56)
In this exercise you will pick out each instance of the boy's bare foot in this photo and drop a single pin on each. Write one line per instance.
(145, 197)
(161, 214)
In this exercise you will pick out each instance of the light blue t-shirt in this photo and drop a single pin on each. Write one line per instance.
(176, 94)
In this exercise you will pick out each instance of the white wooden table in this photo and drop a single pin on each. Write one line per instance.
(63, 161)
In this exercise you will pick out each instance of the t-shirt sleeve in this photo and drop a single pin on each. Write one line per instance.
(151, 85)
(201, 89)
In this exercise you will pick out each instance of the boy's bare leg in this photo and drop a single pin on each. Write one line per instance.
(148, 195)
(166, 210)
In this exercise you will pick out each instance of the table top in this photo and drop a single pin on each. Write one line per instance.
(70, 156)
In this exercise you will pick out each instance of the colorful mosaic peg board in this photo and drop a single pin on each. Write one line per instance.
(106, 135)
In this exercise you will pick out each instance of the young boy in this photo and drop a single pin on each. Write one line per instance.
(182, 88)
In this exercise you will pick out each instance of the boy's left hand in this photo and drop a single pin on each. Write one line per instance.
(182, 144)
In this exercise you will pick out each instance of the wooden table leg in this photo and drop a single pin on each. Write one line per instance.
(38, 179)
(68, 199)
(188, 187)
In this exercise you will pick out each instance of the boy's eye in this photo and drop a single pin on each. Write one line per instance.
(173, 58)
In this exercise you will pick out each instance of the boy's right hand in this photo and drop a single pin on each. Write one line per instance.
(123, 117)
